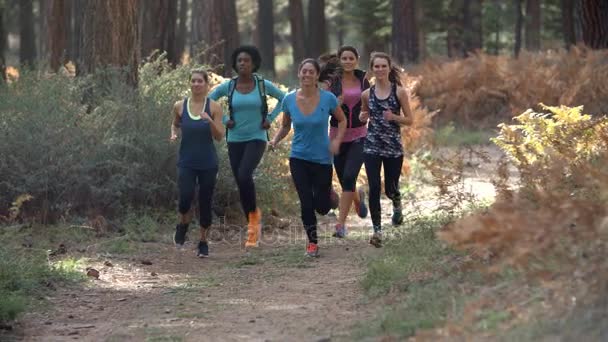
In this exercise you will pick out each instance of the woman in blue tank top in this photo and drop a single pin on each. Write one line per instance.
(387, 108)
(309, 109)
(200, 122)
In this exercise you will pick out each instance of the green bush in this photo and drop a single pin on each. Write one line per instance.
(93, 145)
(25, 276)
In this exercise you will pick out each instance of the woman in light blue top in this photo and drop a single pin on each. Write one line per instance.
(309, 109)
(247, 126)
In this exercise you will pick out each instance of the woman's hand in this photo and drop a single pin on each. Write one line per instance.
(205, 116)
(173, 137)
(363, 116)
(272, 144)
(334, 146)
(388, 115)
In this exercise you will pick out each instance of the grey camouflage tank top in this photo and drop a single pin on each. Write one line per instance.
(383, 137)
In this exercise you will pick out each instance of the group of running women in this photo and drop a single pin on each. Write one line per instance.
(338, 119)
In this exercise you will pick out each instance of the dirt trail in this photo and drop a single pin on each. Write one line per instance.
(272, 294)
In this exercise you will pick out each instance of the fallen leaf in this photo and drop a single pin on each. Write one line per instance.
(91, 272)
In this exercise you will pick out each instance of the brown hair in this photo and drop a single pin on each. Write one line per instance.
(395, 74)
(200, 72)
(311, 61)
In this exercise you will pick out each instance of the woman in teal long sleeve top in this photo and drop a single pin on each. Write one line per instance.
(247, 125)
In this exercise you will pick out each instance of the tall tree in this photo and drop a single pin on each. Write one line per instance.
(519, 22)
(567, 7)
(2, 43)
(110, 36)
(266, 34)
(158, 28)
(58, 33)
(76, 33)
(340, 22)
(372, 20)
(533, 25)
(42, 24)
(317, 28)
(296, 20)
(455, 28)
(405, 45)
(472, 25)
(180, 40)
(594, 18)
(230, 32)
(27, 39)
(207, 43)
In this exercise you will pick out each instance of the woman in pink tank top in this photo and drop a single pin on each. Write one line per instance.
(347, 82)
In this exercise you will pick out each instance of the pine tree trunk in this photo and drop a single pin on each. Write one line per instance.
(340, 23)
(2, 45)
(472, 24)
(180, 40)
(230, 33)
(567, 7)
(27, 39)
(42, 25)
(405, 32)
(266, 34)
(158, 28)
(58, 33)
(421, 34)
(533, 23)
(455, 29)
(519, 22)
(110, 36)
(207, 38)
(317, 28)
(594, 18)
(76, 34)
(296, 19)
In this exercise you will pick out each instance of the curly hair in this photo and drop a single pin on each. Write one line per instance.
(252, 51)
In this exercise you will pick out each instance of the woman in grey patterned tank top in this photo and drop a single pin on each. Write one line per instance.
(387, 108)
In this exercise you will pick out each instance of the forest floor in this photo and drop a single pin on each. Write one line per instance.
(159, 293)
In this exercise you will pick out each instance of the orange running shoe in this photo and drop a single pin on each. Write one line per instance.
(254, 228)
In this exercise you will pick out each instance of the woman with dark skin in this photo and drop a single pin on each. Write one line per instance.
(200, 121)
(308, 109)
(347, 83)
(387, 108)
(247, 126)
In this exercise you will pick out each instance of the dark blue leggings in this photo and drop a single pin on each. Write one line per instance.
(313, 183)
(186, 181)
(392, 172)
(348, 164)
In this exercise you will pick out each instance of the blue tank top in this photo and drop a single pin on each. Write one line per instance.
(196, 149)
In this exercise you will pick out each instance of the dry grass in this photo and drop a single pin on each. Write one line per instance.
(483, 90)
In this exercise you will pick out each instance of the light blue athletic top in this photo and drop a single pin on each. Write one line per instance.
(311, 136)
(247, 111)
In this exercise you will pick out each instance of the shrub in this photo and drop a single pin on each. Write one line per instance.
(104, 156)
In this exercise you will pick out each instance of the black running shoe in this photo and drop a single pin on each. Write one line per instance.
(203, 249)
(180, 234)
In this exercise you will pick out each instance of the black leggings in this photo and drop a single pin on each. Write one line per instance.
(313, 183)
(392, 172)
(186, 181)
(348, 164)
(244, 159)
